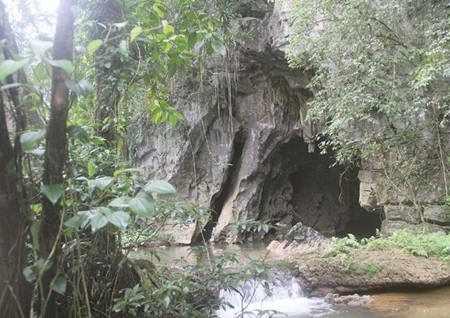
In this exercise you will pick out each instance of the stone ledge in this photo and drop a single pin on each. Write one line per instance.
(439, 214)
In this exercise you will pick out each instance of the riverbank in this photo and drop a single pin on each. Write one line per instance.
(414, 260)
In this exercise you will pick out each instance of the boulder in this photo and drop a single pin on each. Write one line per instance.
(408, 214)
(439, 214)
(299, 238)
(362, 271)
(304, 235)
(354, 300)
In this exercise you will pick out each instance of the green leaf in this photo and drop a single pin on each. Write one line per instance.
(105, 211)
(120, 25)
(76, 221)
(29, 273)
(52, 192)
(9, 66)
(43, 264)
(75, 131)
(172, 120)
(40, 47)
(94, 46)
(66, 65)
(168, 30)
(160, 186)
(123, 48)
(8, 86)
(123, 187)
(91, 169)
(178, 116)
(199, 44)
(39, 152)
(119, 219)
(35, 230)
(101, 183)
(117, 172)
(142, 205)
(219, 48)
(83, 87)
(135, 32)
(159, 9)
(166, 301)
(30, 138)
(120, 202)
(60, 285)
(98, 221)
(36, 208)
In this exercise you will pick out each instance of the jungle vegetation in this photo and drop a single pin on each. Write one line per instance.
(380, 84)
(68, 187)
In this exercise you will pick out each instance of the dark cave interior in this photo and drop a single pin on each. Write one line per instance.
(303, 187)
(323, 196)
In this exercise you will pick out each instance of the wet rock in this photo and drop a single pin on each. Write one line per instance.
(354, 300)
(362, 271)
(300, 239)
(156, 243)
(305, 235)
(181, 233)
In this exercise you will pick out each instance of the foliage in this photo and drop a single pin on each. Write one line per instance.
(380, 82)
(98, 194)
(241, 228)
(415, 242)
(131, 301)
(193, 291)
(176, 210)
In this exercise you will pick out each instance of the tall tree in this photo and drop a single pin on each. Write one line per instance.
(15, 292)
(56, 151)
(107, 15)
(169, 51)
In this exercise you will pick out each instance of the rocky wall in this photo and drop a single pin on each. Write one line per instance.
(246, 150)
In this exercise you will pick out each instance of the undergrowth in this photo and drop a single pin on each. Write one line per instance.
(418, 243)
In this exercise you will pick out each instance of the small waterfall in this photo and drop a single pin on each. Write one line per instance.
(282, 298)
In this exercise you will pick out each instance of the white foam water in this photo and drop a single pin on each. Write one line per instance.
(284, 298)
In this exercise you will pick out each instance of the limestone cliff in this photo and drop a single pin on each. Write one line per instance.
(247, 152)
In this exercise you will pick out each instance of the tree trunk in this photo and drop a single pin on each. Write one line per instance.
(107, 78)
(15, 292)
(56, 150)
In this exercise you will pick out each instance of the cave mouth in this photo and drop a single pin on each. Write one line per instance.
(306, 187)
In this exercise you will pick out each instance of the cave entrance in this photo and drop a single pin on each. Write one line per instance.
(320, 196)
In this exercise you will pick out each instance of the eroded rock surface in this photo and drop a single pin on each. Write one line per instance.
(363, 271)
(354, 300)
(246, 150)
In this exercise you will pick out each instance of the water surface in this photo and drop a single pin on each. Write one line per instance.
(423, 304)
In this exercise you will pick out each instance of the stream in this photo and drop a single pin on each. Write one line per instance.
(287, 296)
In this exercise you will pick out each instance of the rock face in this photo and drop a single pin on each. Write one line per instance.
(246, 150)
(379, 194)
(363, 271)
(300, 238)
